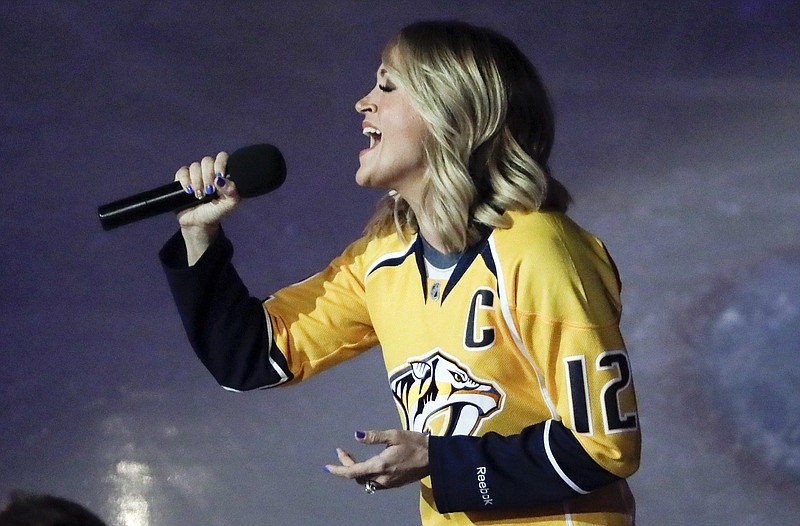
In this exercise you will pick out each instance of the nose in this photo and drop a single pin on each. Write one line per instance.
(365, 104)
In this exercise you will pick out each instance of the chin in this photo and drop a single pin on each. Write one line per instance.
(360, 181)
(364, 180)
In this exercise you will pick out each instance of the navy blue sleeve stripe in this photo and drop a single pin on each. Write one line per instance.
(555, 463)
(573, 462)
(542, 464)
(226, 327)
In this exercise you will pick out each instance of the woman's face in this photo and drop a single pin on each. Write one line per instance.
(395, 158)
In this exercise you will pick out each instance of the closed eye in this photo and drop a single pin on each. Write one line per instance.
(386, 88)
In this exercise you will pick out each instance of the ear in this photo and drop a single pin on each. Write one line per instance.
(420, 370)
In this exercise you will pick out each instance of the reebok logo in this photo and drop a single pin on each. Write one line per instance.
(483, 488)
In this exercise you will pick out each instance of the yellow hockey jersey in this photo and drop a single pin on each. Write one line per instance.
(515, 360)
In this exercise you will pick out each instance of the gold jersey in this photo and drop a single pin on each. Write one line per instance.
(522, 336)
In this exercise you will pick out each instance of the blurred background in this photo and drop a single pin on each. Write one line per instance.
(677, 132)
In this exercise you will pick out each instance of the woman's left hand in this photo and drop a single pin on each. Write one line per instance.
(404, 460)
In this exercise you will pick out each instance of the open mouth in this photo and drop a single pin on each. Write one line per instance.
(374, 135)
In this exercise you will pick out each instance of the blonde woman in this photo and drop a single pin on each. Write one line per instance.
(498, 316)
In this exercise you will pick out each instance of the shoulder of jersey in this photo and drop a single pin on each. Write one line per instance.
(559, 263)
(541, 234)
(367, 249)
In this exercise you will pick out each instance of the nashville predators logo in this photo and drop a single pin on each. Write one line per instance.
(439, 396)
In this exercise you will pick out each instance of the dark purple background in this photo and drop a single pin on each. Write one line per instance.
(677, 132)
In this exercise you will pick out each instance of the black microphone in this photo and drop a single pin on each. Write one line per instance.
(257, 169)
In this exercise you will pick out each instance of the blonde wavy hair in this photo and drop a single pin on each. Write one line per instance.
(490, 131)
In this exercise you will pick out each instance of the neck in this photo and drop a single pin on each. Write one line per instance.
(413, 197)
(433, 238)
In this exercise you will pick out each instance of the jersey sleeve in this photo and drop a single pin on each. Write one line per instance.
(249, 344)
(495, 472)
(572, 334)
(567, 314)
(226, 326)
(323, 320)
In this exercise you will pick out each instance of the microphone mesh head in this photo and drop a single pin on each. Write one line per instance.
(257, 169)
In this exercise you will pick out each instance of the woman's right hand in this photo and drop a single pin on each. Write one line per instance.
(200, 224)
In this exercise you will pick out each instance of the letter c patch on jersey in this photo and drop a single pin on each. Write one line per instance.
(436, 394)
(478, 337)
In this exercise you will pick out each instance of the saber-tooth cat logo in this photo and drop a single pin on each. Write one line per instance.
(436, 394)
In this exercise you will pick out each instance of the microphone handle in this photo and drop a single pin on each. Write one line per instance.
(168, 198)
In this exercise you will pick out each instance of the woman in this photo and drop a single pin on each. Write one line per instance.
(507, 365)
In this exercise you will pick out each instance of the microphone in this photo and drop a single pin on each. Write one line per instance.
(257, 169)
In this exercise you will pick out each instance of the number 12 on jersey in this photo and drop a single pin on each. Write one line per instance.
(614, 419)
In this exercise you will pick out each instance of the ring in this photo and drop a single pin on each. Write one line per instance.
(370, 486)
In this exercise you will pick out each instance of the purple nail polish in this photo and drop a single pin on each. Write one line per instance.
(209, 189)
(360, 435)
(220, 181)
(189, 189)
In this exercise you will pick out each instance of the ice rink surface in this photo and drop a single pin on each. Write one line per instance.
(678, 132)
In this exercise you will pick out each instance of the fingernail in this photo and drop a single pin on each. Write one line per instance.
(220, 181)
(209, 189)
(360, 435)
(198, 194)
(189, 189)
(326, 470)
